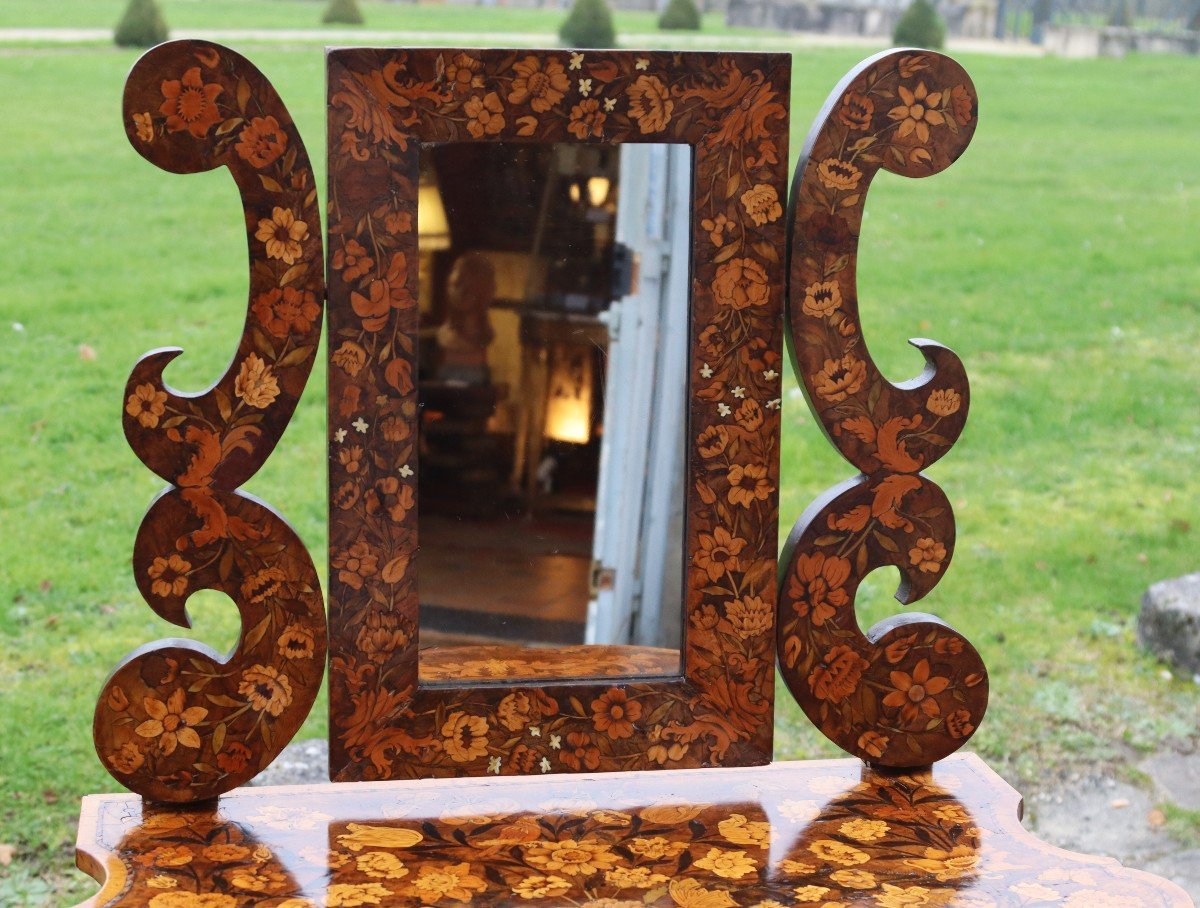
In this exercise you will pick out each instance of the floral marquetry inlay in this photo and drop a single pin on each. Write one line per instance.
(732, 110)
(830, 834)
(177, 721)
(911, 690)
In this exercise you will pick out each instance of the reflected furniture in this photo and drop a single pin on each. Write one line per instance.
(537, 776)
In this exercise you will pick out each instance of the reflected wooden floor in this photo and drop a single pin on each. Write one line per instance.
(826, 833)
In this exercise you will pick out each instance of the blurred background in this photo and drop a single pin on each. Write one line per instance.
(1059, 257)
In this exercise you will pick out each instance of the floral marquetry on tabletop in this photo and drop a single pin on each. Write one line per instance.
(821, 833)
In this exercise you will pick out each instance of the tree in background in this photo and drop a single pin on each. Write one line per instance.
(589, 24)
(343, 12)
(920, 26)
(1122, 15)
(141, 26)
(680, 15)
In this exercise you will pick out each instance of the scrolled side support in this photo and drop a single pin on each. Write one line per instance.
(910, 690)
(177, 721)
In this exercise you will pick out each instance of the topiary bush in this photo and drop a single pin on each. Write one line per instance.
(343, 12)
(589, 24)
(141, 26)
(680, 15)
(920, 26)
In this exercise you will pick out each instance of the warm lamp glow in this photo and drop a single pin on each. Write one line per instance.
(597, 188)
(573, 191)
(569, 406)
(433, 229)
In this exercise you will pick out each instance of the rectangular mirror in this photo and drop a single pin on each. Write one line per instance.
(525, 274)
(554, 331)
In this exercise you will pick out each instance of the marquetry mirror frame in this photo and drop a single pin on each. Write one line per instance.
(732, 109)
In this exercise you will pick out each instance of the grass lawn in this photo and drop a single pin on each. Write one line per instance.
(1059, 257)
(290, 14)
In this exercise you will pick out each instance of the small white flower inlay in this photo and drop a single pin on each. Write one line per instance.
(739, 392)
(642, 63)
(706, 371)
(723, 409)
(610, 104)
(576, 61)
(585, 87)
(535, 731)
(494, 765)
(773, 404)
(545, 764)
(406, 471)
(361, 425)
(555, 742)
(770, 375)
(339, 436)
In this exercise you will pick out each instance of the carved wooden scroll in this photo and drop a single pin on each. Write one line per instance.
(177, 721)
(911, 690)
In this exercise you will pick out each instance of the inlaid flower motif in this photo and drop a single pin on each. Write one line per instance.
(822, 299)
(146, 404)
(354, 895)
(485, 115)
(946, 865)
(543, 83)
(356, 564)
(464, 73)
(656, 848)
(171, 723)
(840, 378)
(127, 759)
(178, 898)
(634, 878)
(836, 676)
(580, 752)
(718, 553)
(854, 879)
(464, 737)
(748, 484)
(740, 283)
(862, 830)
(915, 694)
(690, 893)
(892, 896)
(234, 758)
(571, 857)
(740, 831)
(810, 893)
(838, 175)
(263, 584)
(190, 104)
(856, 110)
(927, 555)
(816, 586)
(256, 383)
(169, 575)
(729, 865)
(761, 202)
(587, 119)
(917, 112)
(838, 853)
(144, 124)
(541, 887)
(614, 713)
(266, 689)
(352, 260)
(749, 415)
(281, 235)
(296, 642)
(350, 358)
(944, 402)
(650, 104)
(381, 634)
(381, 865)
(749, 615)
(284, 311)
(261, 141)
(958, 723)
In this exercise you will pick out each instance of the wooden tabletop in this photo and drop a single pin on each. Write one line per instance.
(824, 833)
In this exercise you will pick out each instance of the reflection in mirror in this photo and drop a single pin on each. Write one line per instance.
(551, 498)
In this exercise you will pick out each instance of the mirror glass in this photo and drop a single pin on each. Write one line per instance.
(552, 390)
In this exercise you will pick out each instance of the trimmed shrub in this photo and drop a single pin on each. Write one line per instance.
(343, 12)
(920, 26)
(141, 26)
(589, 24)
(680, 15)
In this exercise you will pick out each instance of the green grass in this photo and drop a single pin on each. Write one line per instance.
(292, 14)
(1059, 257)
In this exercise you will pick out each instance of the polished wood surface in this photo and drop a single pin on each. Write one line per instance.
(177, 721)
(911, 689)
(732, 109)
(823, 833)
(477, 663)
